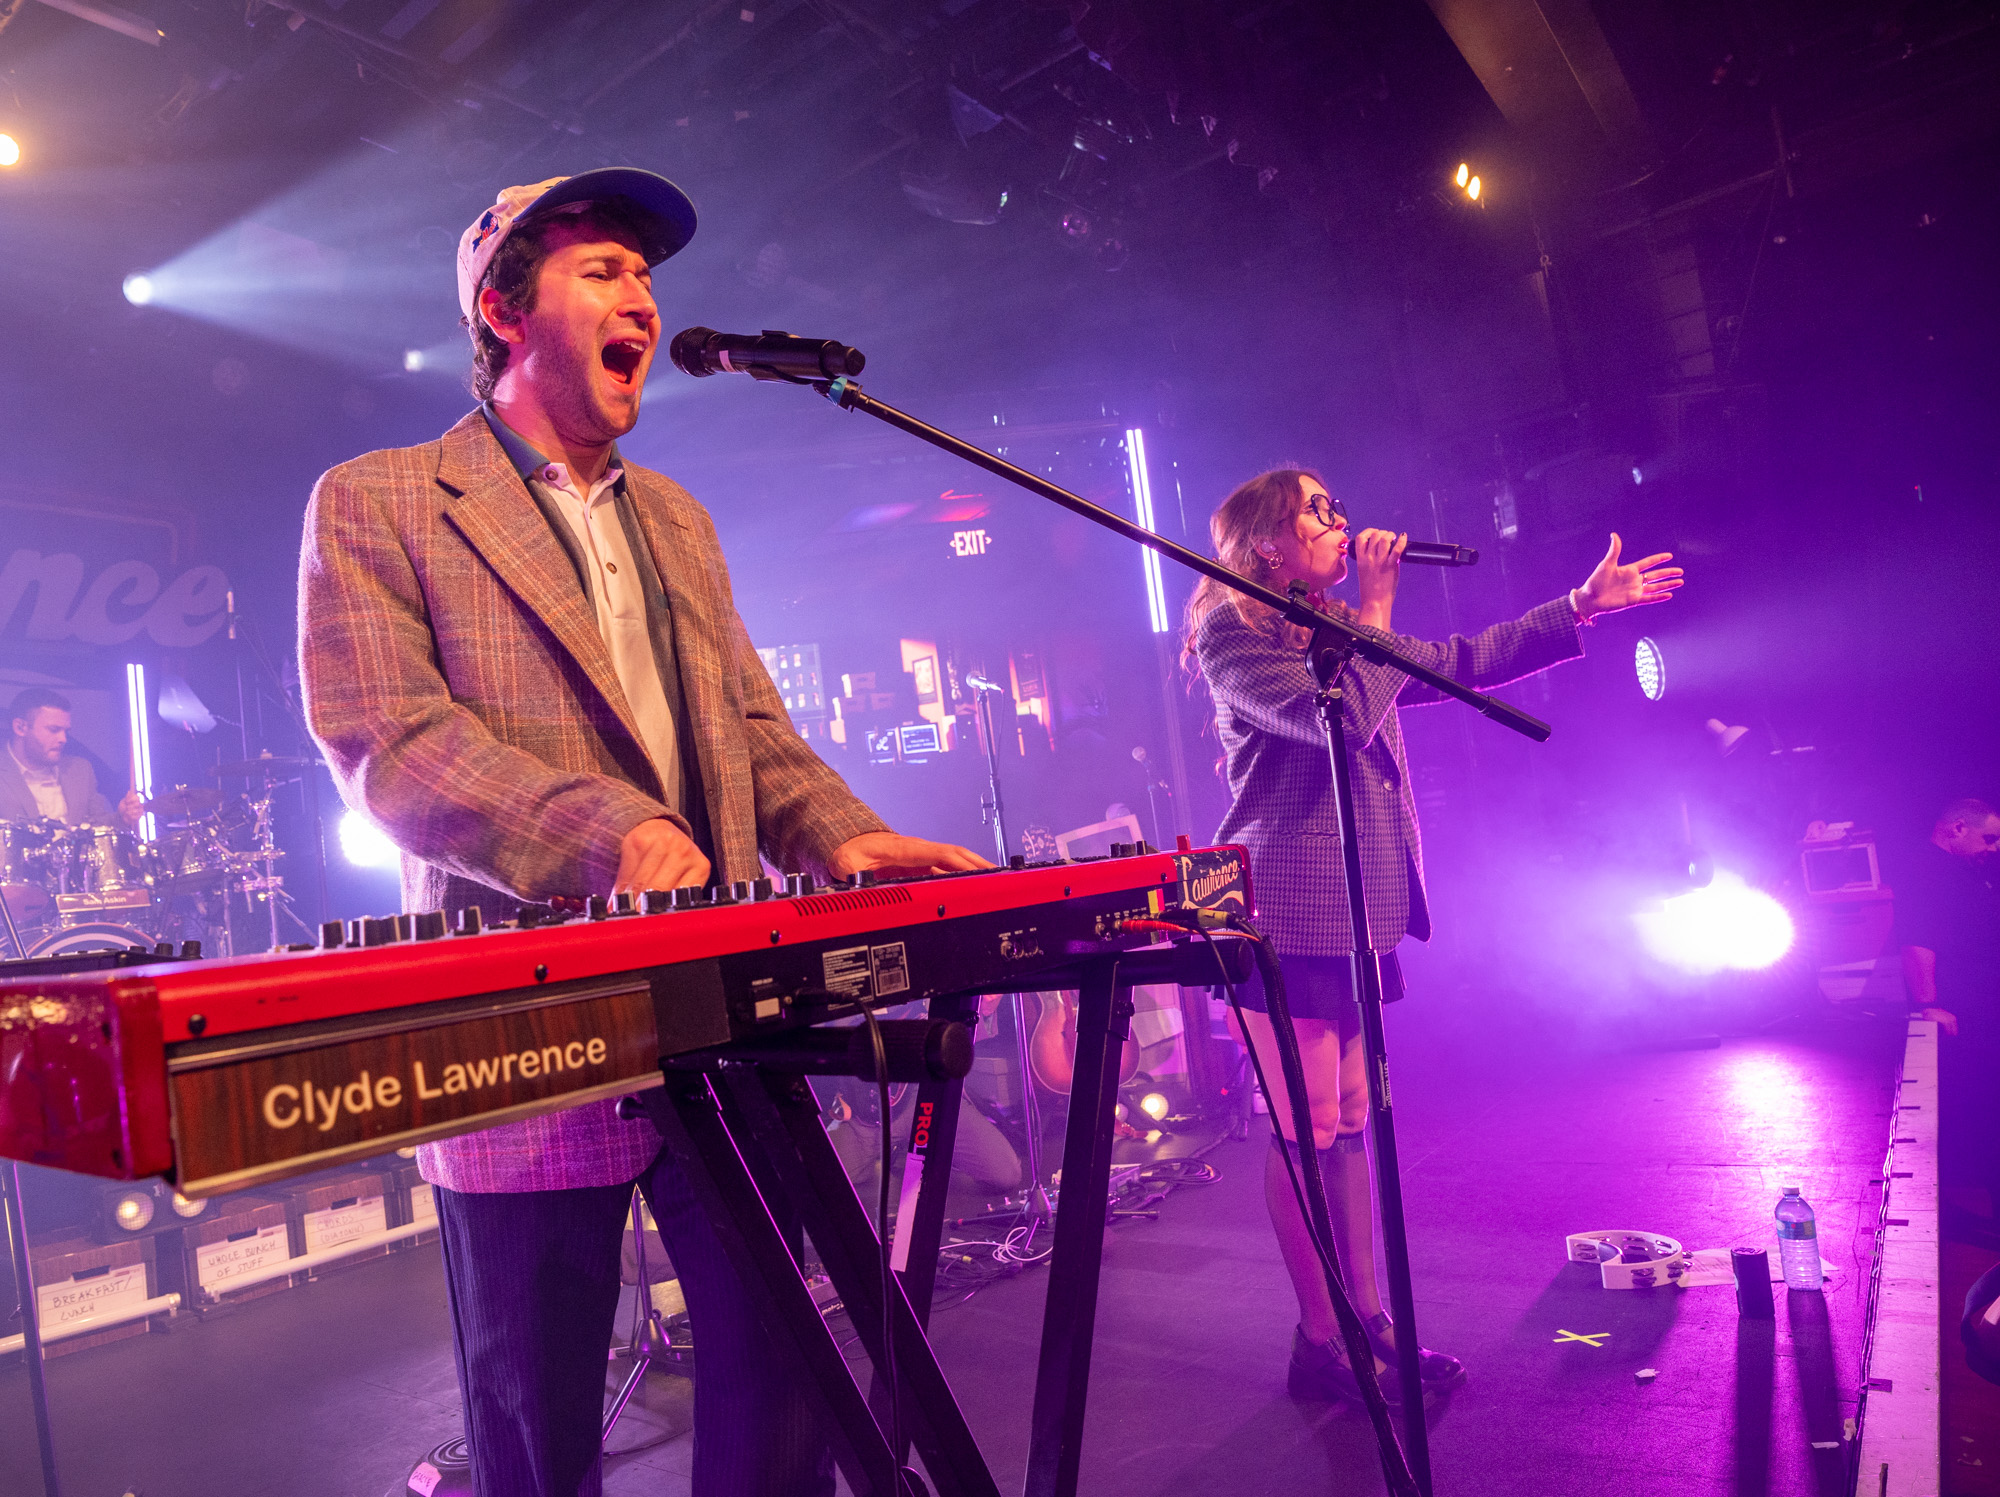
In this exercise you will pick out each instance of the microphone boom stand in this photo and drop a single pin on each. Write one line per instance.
(1334, 642)
(1035, 1203)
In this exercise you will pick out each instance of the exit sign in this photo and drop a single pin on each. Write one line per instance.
(970, 542)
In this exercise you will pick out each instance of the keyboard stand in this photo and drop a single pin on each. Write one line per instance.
(745, 1136)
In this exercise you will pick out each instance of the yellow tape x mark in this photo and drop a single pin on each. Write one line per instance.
(1595, 1338)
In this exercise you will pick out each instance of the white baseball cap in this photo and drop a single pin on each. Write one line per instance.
(669, 213)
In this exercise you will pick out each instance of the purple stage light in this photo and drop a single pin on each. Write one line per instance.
(1725, 925)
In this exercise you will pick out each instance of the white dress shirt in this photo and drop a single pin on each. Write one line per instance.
(621, 615)
(45, 786)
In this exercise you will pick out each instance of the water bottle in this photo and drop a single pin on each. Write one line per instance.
(1798, 1241)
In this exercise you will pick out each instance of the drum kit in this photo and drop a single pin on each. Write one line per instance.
(210, 874)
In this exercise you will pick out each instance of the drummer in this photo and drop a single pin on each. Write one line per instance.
(39, 779)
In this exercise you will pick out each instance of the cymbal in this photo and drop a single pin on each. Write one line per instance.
(184, 802)
(258, 768)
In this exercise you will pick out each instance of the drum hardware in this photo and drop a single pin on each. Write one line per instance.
(183, 804)
(263, 768)
(58, 879)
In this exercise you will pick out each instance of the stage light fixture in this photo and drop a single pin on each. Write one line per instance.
(1154, 1105)
(10, 151)
(139, 288)
(1472, 189)
(1651, 667)
(1464, 174)
(133, 1211)
(139, 726)
(1724, 925)
(1142, 503)
(364, 844)
(184, 1207)
(413, 360)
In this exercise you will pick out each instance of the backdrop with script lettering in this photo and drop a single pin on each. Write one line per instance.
(77, 575)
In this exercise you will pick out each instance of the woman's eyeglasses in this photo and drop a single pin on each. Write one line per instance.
(1323, 507)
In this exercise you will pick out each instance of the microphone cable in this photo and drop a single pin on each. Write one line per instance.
(1360, 1352)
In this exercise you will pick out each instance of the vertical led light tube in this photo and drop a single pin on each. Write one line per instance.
(1142, 500)
(142, 741)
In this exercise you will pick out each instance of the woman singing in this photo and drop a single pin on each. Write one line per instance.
(1279, 528)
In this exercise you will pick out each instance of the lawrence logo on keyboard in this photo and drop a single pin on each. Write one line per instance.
(302, 1101)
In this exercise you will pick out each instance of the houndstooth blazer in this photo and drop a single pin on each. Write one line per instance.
(454, 675)
(1281, 785)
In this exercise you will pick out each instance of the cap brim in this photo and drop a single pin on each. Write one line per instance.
(670, 209)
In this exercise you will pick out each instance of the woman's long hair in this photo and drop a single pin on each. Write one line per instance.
(1261, 509)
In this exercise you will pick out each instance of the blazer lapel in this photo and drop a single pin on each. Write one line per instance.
(495, 513)
(699, 644)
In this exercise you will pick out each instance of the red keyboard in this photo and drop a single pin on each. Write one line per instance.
(228, 1073)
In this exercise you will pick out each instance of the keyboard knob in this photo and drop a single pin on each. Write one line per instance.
(333, 935)
(599, 907)
(864, 877)
(798, 885)
(1017, 860)
(406, 927)
(622, 904)
(688, 899)
(378, 932)
(471, 920)
(190, 951)
(657, 901)
(430, 925)
(760, 888)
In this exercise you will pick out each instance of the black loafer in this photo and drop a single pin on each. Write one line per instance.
(1437, 1370)
(1318, 1372)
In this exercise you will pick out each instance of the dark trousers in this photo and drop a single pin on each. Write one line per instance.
(533, 1278)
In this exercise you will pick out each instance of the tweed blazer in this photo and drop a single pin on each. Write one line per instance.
(454, 675)
(83, 803)
(1281, 785)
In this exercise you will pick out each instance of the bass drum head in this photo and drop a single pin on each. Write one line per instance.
(98, 935)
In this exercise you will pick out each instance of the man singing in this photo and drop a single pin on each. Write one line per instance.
(523, 660)
(41, 778)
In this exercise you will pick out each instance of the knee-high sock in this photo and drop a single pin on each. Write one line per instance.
(1350, 1201)
(1350, 1204)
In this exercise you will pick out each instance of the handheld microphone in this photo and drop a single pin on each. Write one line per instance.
(1439, 554)
(702, 351)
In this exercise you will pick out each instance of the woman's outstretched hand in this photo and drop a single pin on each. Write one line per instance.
(1613, 587)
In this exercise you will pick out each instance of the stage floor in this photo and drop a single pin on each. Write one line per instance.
(335, 1388)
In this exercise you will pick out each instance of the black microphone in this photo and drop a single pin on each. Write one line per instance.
(1439, 554)
(702, 351)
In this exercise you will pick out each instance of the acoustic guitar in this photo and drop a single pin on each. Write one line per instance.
(1052, 1046)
